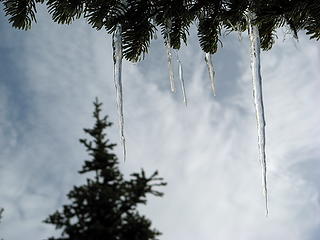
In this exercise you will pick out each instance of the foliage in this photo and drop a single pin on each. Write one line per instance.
(140, 18)
(106, 206)
(1, 212)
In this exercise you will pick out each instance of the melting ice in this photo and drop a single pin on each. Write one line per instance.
(117, 68)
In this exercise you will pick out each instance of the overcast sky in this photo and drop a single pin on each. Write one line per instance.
(206, 152)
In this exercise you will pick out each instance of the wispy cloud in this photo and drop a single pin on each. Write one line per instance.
(207, 152)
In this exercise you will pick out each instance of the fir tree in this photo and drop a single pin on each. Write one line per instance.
(1, 212)
(106, 206)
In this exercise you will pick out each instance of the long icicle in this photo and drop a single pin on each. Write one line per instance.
(117, 68)
(211, 71)
(258, 99)
(169, 56)
(181, 79)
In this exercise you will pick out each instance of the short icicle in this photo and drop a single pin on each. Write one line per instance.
(258, 99)
(239, 35)
(155, 36)
(181, 79)
(117, 68)
(211, 71)
(169, 56)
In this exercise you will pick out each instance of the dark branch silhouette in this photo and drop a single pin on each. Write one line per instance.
(106, 206)
(140, 18)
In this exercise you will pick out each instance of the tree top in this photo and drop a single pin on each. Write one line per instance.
(106, 206)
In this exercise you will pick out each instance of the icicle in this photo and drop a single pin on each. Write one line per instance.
(169, 55)
(258, 99)
(155, 36)
(239, 35)
(117, 68)
(181, 79)
(211, 71)
(170, 67)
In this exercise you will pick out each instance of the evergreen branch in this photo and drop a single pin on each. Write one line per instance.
(21, 13)
(140, 19)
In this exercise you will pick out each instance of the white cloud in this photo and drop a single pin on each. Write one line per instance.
(207, 152)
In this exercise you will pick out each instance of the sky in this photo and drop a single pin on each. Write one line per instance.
(207, 152)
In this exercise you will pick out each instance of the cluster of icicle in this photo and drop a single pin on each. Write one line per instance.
(170, 64)
(256, 80)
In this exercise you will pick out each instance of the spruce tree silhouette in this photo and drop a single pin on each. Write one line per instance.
(1, 211)
(106, 206)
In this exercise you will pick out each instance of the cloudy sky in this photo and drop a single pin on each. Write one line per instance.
(206, 152)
